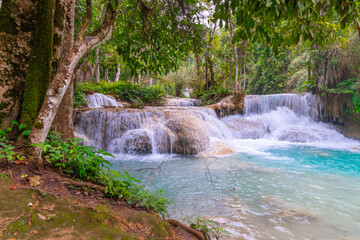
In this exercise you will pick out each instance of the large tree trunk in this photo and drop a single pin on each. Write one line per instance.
(64, 27)
(38, 76)
(63, 77)
(17, 21)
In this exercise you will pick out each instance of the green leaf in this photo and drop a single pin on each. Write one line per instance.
(301, 5)
(26, 133)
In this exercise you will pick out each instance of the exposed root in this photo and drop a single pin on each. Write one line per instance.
(194, 232)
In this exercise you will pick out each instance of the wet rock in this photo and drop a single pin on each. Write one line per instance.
(296, 135)
(245, 128)
(229, 106)
(136, 141)
(191, 135)
(217, 149)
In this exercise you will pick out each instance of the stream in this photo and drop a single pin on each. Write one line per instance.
(290, 175)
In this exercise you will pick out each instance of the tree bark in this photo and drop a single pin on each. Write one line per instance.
(244, 77)
(97, 66)
(17, 21)
(106, 74)
(117, 76)
(38, 76)
(63, 77)
(236, 57)
(63, 121)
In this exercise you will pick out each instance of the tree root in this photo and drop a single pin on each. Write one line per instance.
(69, 181)
(194, 232)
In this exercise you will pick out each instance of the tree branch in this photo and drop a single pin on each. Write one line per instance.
(86, 22)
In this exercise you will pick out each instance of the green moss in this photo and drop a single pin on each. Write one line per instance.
(21, 226)
(39, 72)
(7, 22)
(39, 125)
(59, 15)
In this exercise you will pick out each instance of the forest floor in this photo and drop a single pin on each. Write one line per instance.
(44, 204)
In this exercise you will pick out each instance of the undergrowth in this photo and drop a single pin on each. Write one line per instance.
(350, 86)
(138, 95)
(210, 228)
(88, 163)
(6, 147)
(212, 95)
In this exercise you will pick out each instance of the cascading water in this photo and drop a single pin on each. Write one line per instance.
(98, 100)
(291, 177)
(182, 102)
(306, 104)
(152, 130)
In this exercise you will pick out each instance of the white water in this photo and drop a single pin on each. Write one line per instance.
(182, 102)
(283, 119)
(292, 177)
(98, 100)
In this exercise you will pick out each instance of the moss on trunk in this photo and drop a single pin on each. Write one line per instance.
(39, 72)
(7, 22)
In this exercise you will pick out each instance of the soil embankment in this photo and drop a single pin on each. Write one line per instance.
(61, 208)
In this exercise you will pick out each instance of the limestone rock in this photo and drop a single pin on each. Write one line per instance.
(191, 135)
(229, 106)
(245, 128)
(217, 149)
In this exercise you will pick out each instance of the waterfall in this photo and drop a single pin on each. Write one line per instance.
(151, 130)
(98, 100)
(182, 102)
(305, 104)
(281, 118)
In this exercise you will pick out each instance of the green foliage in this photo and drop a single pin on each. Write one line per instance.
(270, 71)
(350, 86)
(139, 95)
(177, 81)
(211, 228)
(88, 163)
(212, 95)
(79, 98)
(6, 147)
(306, 85)
(280, 22)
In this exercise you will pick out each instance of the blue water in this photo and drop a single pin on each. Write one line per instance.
(283, 192)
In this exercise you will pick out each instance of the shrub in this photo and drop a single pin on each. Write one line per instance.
(79, 98)
(139, 95)
(210, 228)
(6, 147)
(88, 163)
(212, 95)
(350, 86)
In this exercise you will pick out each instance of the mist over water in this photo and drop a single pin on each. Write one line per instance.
(291, 177)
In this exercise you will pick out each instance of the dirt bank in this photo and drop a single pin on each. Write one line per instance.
(61, 208)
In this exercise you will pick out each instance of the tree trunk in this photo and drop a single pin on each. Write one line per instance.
(106, 74)
(117, 76)
(63, 121)
(63, 77)
(17, 21)
(39, 72)
(244, 77)
(97, 66)
(198, 68)
(236, 57)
